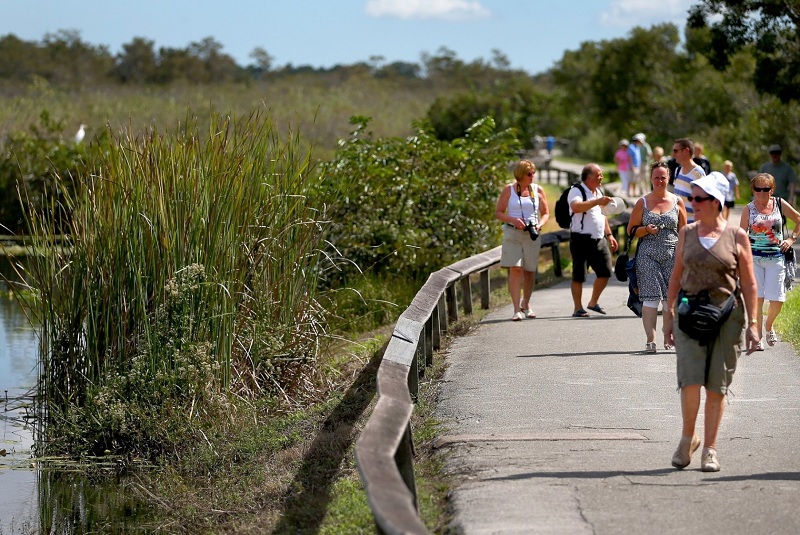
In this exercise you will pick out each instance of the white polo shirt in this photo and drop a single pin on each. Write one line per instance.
(594, 222)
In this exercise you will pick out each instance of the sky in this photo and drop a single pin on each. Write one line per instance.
(532, 34)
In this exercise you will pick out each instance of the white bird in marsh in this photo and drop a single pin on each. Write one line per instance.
(81, 133)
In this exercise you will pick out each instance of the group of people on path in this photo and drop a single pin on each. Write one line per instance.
(686, 248)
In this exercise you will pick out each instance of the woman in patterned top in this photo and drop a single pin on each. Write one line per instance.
(659, 216)
(764, 225)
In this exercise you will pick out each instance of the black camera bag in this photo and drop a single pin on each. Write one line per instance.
(704, 320)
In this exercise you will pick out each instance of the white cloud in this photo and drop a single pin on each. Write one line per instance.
(427, 9)
(627, 13)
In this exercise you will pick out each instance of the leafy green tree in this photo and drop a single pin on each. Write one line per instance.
(18, 59)
(69, 61)
(772, 27)
(178, 64)
(137, 63)
(618, 87)
(262, 62)
(220, 67)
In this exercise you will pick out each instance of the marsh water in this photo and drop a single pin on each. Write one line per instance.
(35, 500)
(18, 488)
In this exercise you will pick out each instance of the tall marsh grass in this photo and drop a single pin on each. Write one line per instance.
(188, 274)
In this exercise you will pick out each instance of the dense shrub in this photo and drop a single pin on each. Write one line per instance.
(31, 163)
(411, 206)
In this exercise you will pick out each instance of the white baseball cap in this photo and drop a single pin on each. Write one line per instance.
(616, 206)
(715, 184)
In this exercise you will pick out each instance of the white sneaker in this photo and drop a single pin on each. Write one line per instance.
(518, 316)
(709, 461)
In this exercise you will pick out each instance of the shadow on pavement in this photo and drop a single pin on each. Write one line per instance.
(601, 474)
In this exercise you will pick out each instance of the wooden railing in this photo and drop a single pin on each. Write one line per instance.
(385, 449)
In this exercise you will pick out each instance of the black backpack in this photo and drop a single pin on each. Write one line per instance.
(563, 215)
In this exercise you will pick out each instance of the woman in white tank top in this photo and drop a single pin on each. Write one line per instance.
(522, 207)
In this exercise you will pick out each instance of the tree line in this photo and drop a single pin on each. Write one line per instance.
(64, 59)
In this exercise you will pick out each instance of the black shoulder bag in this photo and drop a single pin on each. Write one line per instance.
(622, 259)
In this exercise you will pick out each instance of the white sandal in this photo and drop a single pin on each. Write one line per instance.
(772, 338)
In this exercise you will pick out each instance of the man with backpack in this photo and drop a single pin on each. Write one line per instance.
(590, 240)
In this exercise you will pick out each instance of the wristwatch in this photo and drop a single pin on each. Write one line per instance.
(753, 321)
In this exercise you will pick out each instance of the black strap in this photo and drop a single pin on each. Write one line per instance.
(583, 195)
(631, 237)
(521, 211)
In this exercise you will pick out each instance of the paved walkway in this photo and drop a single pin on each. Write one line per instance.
(563, 425)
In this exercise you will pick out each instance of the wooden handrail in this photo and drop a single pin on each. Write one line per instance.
(384, 450)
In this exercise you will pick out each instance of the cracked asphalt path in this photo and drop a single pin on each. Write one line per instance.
(563, 425)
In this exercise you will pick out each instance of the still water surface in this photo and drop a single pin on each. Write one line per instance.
(18, 349)
(34, 501)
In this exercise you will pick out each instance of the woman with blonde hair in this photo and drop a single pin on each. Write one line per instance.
(522, 207)
(763, 219)
(733, 187)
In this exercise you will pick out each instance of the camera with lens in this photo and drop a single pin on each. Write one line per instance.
(531, 228)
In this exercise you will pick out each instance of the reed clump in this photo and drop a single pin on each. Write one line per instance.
(186, 281)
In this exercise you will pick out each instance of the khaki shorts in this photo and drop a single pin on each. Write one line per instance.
(519, 250)
(724, 355)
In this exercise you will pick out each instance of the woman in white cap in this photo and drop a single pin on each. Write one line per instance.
(763, 220)
(712, 259)
(657, 217)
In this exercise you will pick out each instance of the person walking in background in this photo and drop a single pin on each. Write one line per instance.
(686, 172)
(733, 187)
(674, 167)
(522, 207)
(657, 218)
(711, 255)
(646, 154)
(635, 159)
(623, 164)
(590, 240)
(763, 222)
(658, 155)
(700, 159)
(785, 177)
(551, 144)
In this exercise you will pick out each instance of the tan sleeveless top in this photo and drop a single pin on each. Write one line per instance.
(715, 269)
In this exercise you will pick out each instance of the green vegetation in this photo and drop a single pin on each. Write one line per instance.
(788, 322)
(171, 289)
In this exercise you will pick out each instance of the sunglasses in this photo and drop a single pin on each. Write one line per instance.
(762, 190)
(531, 173)
(698, 198)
